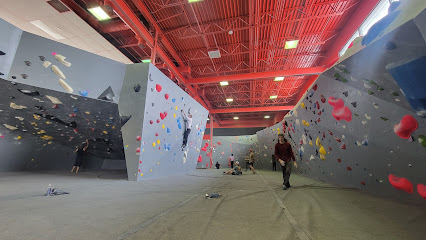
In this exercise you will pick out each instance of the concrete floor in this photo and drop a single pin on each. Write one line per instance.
(104, 205)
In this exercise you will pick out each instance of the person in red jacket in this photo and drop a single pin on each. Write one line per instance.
(283, 154)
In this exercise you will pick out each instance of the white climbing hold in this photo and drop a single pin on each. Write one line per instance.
(58, 72)
(20, 118)
(65, 86)
(10, 127)
(368, 117)
(54, 100)
(61, 59)
(15, 106)
(46, 64)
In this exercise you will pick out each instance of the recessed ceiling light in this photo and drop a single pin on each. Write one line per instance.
(146, 60)
(291, 44)
(267, 116)
(191, 1)
(236, 118)
(273, 97)
(225, 83)
(229, 99)
(279, 78)
(230, 32)
(99, 13)
(47, 29)
(214, 53)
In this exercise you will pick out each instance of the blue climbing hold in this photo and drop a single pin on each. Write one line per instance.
(83, 93)
(173, 99)
(168, 130)
(75, 110)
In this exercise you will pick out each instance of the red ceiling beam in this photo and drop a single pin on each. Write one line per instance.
(251, 76)
(362, 11)
(252, 109)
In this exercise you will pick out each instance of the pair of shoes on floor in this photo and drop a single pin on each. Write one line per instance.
(285, 187)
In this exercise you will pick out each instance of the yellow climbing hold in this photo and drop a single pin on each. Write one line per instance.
(158, 141)
(107, 125)
(94, 121)
(176, 107)
(104, 132)
(153, 144)
(37, 117)
(318, 142)
(141, 174)
(41, 132)
(302, 105)
(113, 127)
(322, 150)
(48, 122)
(322, 157)
(150, 170)
(174, 115)
(310, 143)
(33, 123)
(87, 112)
(143, 150)
(19, 138)
(158, 162)
(45, 137)
(163, 126)
(49, 143)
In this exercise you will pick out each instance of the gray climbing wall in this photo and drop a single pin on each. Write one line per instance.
(9, 40)
(89, 74)
(157, 120)
(38, 134)
(361, 125)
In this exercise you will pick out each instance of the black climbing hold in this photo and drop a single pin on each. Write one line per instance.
(2, 53)
(72, 124)
(29, 92)
(124, 119)
(42, 58)
(1, 74)
(24, 76)
(390, 45)
(345, 93)
(152, 104)
(354, 104)
(11, 97)
(107, 95)
(137, 88)
(28, 63)
(13, 77)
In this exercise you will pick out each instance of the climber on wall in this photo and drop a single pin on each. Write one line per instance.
(188, 125)
(81, 152)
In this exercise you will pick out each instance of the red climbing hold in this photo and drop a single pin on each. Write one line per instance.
(319, 113)
(162, 116)
(315, 87)
(156, 134)
(339, 160)
(342, 113)
(337, 139)
(363, 183)
(55, 106)
(329, 132)
(138, 138)
(422, 190)
(138, 150)
(319, 120)
(322, 98)
(401, 183)
(158, 120)
(329, 148)
(205, 147)
(323, 135)
(335, 102)
(76, 130)
(343, 146)
(407, 126)
(158, 87)
(92, 129)
(166, 96)
(349, 168)
(318, 106)
(165, 114)
(139, 170)
(151, 122)
(208, 154)
(200, 159)
(72, 115)
(140, 161)
(219, 143)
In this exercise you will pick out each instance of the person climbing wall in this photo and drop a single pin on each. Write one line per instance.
(188, 125)
(81, 152)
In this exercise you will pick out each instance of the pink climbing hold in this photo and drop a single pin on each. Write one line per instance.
(222, 153)
(151, 122)
(140, 161)
(156, 134)
(139, 170)
(200, 158)
(401, 183)
(407, 126)
(422, 190)
(166, 96)
(315, 87)
(138, 150)
(208, 154)
(342, 113)
(138, 138)
(158, 120)
(335, 102)
(158, 87)
(76, 130)
(54, 53)
(165, 114)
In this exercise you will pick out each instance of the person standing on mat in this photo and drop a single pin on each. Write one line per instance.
(284, 153)
(188, 125)
(231, 158)
(79, 158)
(274, 163)
(217, 165)
(247, 160)
(251, 161)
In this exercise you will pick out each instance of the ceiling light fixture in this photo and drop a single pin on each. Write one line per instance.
(267, 116)
(99, 13)
(229, 99)
(278, 79)
(214, 53)
(47, 29)
(146, 60)
(291, 44)
(273, 97)
(236, 118)
(192, 1)
(230, 32)
(224, 83)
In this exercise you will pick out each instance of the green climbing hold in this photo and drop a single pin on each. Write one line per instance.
(346, 71)
(340, 78)
(384, 119)
(370, 92)
(356, 115)
(395, 94)
(422, 140)
(371, 82)
(380, 88)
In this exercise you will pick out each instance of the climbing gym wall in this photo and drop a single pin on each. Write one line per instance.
(154, 132)
(9, 40)
(40, 128)
(42, 63)
(363, 124)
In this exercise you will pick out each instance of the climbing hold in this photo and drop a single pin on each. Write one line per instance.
(124, 119)
(401, 183)
(422, 190)
(394, 93)
(137, 88)
(384, 119)
(422, 140)
(339, 160)
(368, 117)
(29, 92)
(389, 45)
(354, 104)
(302, 105)
(343, 146)
(156, 134)
(58, 72)
(83, 93)
(138, 138)
(17, 107)
(151, 122)
(153, 144)
(345, 93)
(158, 120)
(168, 130)
(322, 150)
(315, 87)
(370, 92)
(65, 85)
(363, 183)
(138, 150)
(162, 116)
(407, 126)
(342, 113)
(166, 96)
(158, 87)
(335, 102)
(163, 126)
(349, 168)
(173, 99)
(219, 143)
(10, 127)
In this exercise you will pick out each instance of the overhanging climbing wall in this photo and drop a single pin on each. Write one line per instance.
(153, 135)
(9, 40)
(361, 123)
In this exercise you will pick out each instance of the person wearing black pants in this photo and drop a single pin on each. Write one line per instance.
(284, 154)
(188, 126)
(274, 163)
